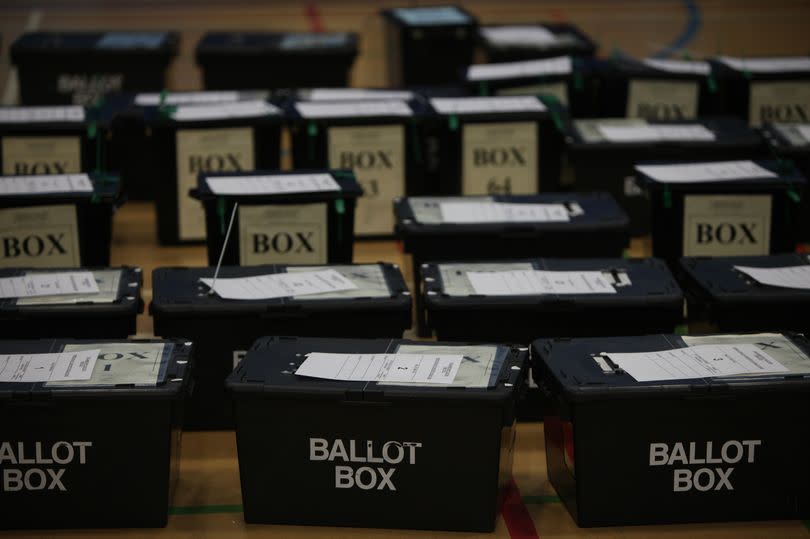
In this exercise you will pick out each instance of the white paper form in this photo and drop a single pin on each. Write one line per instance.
(519, 36)
(702, 361)
(218, 111)
(687, 67)
(280, 285)
(479, 105)
(706, 172)
(804, 131)
(356, 94)
(19, 115)
(45, 183)
(55, 367)
(348, 108)
(656, 133)
(420, 368)
(785, 277)
(48, 284)
(534, 282)
(528, 68)
(767, 65)
(502, 212)
(185, 98)
(272, 184)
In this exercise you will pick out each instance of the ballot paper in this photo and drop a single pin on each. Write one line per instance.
(475, 212)
(46, 183)
(706, 172)
(656, 133)
(480, 365)
(185, 98)
(679, 66)
(54, 367)
(701, 361)
(122, 363)
(484, 105)
(272, 184)
(424, 368)
(107, 282)
(218, 111)
(356, 94)
(18, 115)
(778, 346)
(280, 285)
(369, 281)
(48, 284)
(519, 36)
(454, 276)
(351, 109)
(785, 277)
(513, 70)
(534, 282)
(767, 65)
(804, 131)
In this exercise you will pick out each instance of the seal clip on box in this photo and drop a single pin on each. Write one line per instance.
(271, 60)
(188, 140)
(81, 67)
(354, 442)
(698, 428)
(100, 303)
(515, 42)
(222, 328)
(59, 220)
(748, 293)
(65, 434)
(723, 208)
(792, 141)
(282, 217)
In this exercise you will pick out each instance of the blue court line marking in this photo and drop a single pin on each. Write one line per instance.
(693, 24)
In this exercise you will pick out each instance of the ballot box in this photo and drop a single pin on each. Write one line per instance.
(515, 42)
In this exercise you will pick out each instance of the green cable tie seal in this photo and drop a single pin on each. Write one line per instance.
(579, 82)
(626, 253)
(162, 97)
(667, 198)
(794, 196)
(452, 121)
(712, 83)
(312, 129)
(682, 329)
(92, 129)
(340, 206)
(483, 88)
(221, 215)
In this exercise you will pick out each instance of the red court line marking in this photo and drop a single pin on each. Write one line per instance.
(516, 516)
(314, 15)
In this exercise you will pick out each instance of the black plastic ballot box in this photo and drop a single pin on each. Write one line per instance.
(515, 42)
(722, 296)
(685, 449)
(48, 140)
(380, 140)
(602, 153)
(57, 220)
(63, 442)
(792, 142)
(270, 60)
(428, 45)
(658, 89)
(764, 90)
(188, 140)
(355, 447)
(303, 217)
(109, 313)
(81, 67)
(723, 208)
(493, 145)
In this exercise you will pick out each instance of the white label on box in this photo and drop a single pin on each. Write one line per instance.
(686, 67)
(48, 284)
(352, 109)
(221, 111)
(785, 277)
(706, 172)
(657, 133)
(486, 105)
(376, 154)
(50, 183)
(55, 367)
(356, 94)
(662, 99)
(207, 150)
(283, 234)
(519, 36)
(121, 363)
(272, 184)
(107, 282)
(185, 98)
(702, 361)
(501, 212)
(280, 285)
(39, 237)
(41, 155)
(726, 225)
(400, 368)
(499, 158)
(550, 67)
(25, 115)
(767, 65)
(772, 102)
(534, 282)
(557, 90)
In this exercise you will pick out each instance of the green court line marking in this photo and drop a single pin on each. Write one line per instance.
(541, 499)
(205, 509)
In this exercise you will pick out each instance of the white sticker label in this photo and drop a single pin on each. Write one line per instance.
(785, 277)
(772, 102)
(718, 225)
(39, 237)
(656, 133)
(499, 158)
(272, 184)
(501, 212)
(662, 99)
(24, 115)
(48, 284)
(376, 154)
(534, 282)
(702, 361)
(352, 109)
(283, 234)
(767, 65)
(30, 185)
(356, 94)
(519, 36)
(706, 172)
(486, 105)
(207, 150)
(400, 368)
(557, 90)
(220, 111)
(185, 98)
(516, 70)
(280, 285)
(41, 155)
(686, 67)
(56, 367)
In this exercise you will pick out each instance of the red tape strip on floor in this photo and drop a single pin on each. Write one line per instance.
(314, 17)
(516, 516)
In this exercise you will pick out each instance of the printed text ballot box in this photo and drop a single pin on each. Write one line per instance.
(695, 428)
(281, 218)
(189, 140)
(59, 220)
(354, 443)
(109, 312)
(792, 142)
(97, 446)
(515, 42)
(224, 328)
